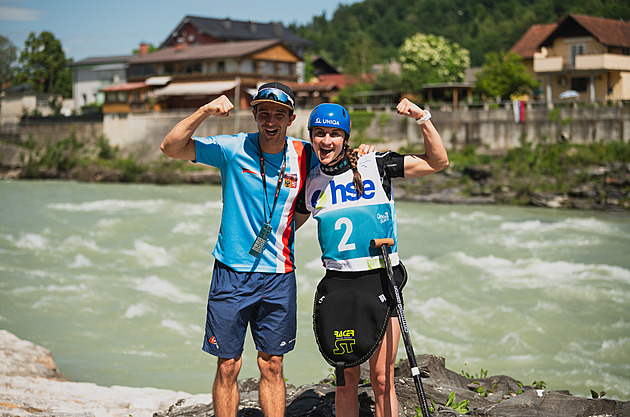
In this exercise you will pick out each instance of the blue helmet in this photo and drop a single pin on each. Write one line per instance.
(330, 115)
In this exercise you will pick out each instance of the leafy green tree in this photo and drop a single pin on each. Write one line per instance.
(43, 65)
(359, 57)
(503, 75)
(386, 80)
(431, 59)
(348, 94)
(8, 54)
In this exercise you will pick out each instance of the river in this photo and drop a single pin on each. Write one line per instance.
(113, 279)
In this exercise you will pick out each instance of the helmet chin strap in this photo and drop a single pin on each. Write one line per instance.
(338, 165)
(341, 155)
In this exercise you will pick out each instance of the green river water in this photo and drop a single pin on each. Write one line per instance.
(113, 279)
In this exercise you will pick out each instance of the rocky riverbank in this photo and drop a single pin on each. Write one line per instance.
(575, 185)
(608, 188)
(32, 385)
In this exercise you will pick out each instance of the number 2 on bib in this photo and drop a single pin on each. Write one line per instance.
(343, 244)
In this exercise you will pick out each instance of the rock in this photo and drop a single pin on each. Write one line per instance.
(38, 396)
(550, 200)
(13, 156)
(478, 172)
(30, 386)
(584, 191)
(23, 358)
(553, 403)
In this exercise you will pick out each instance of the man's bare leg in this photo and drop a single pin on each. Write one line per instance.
(225, 397)
(272, 392)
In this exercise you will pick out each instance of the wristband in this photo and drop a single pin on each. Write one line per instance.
(424, 118)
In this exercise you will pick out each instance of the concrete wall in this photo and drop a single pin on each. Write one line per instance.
(14, 106)
(495, 130)
(136, 129)
(53, 129)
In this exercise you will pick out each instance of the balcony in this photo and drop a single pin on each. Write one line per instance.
(547, 64)
(602, 62)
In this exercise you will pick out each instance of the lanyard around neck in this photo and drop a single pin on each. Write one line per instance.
(264, 181)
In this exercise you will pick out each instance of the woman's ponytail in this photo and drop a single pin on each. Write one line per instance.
(352, 156)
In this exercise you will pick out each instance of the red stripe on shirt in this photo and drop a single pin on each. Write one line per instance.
(302, 163)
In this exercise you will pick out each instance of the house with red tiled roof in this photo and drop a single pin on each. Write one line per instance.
(188, 76)
(321, 89)
(581, 56)
(529, 43)
(203, 58)
(196, 30)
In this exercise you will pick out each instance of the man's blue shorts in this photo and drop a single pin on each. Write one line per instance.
(267, 301)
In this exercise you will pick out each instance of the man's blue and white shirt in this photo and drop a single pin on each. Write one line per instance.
(245, 208)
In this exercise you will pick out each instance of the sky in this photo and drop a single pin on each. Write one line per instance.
(92, 28)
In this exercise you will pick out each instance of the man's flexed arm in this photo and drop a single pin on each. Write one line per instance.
(178, 144)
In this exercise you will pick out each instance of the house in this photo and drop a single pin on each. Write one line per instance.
(188, 76)
(204, 58)
(195, 30)
(322, 87)
(581, 56)
(91, 75)
(127, 98)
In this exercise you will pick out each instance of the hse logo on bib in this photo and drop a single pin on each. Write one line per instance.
(341, 193)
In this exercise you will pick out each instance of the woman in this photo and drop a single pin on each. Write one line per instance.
(351, 199)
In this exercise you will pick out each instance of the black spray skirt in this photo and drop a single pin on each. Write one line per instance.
(351, 313)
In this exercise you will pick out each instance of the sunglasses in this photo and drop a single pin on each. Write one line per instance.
(275, 94)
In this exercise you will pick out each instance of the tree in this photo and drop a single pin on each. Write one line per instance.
(150, 49)
(503, 75)
(43, 66)
(431, 59)
(8, 54)
(359, 57)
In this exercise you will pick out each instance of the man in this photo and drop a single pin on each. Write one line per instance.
(253, 281)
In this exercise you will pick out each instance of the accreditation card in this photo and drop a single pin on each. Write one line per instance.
(261, 239)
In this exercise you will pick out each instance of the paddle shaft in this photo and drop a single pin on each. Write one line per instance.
(383, 244)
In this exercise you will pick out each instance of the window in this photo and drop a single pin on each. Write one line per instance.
(266, 67)
(221, 66)
(143, 70)
(193, 67)
(579, 84)
(167, 69)
(575, 50)
(116, 97)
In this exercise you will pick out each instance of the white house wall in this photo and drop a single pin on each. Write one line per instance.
(89, 81)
